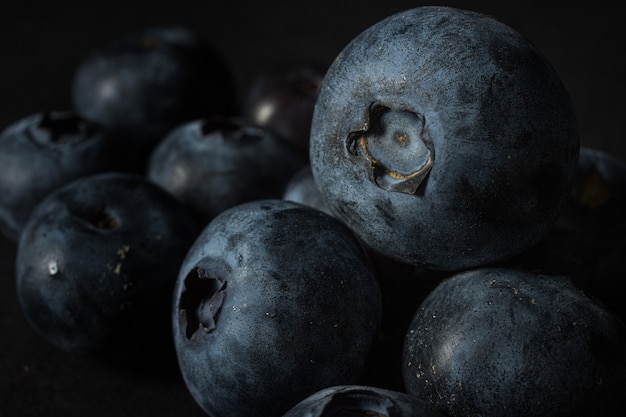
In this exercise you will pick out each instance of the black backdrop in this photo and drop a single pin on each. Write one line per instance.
(41, 43)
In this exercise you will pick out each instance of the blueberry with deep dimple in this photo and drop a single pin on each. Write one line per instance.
(44, 151)
(444, 138)
(494, 339)
(274, 301)
(361, 401)
(96, 266)
(149, 81)
(212, 164)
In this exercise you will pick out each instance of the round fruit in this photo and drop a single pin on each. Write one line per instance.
(216, 163)
(444, 138)
(96, 266)
(494, 341)
(274, 301)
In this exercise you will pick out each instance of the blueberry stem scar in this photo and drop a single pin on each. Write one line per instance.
(201, 301)
(399, 159)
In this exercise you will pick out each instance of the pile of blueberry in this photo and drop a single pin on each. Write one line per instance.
(413, 231)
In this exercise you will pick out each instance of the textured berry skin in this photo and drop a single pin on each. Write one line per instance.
(494, 339)
(361, 400)
(444, 138)
(96, 266)
(43, 151)
(274, 302)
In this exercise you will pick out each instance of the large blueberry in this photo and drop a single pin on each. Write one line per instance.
(96, 266)
(444, 138)
(43, 151)
(496, 341)
(274, 301)
(212, 164)
(149, 81)
(361, 400)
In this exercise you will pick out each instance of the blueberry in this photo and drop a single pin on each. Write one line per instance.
(360, 400)
(494, 340)
(282, 99)
(444, 138)
(149, 81)
(96, 266)
(43, 151)
(588, 240)
(212, 164)
(274, 301)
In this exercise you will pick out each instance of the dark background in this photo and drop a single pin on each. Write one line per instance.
(41, 43)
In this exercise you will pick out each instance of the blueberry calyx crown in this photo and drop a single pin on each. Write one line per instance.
(62, 127)
(392, 142)
(201, 301)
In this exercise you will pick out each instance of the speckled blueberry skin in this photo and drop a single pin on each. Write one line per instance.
(212, 164)
(45, 150)
(361, 400)
(444, 138)
(274, 302)
(96, 266)
(494, 339)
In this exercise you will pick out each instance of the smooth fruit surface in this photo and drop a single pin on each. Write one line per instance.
(274, 301)
(494, 339)
(444, 138)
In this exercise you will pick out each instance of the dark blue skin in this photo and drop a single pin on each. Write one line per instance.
(45, 150)
(216, 163)
(282, 100)
(588, 240)
(444, 138)
(494, 340)
(361, 401)
(96, 266)
(273, 302)
(149, 81)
